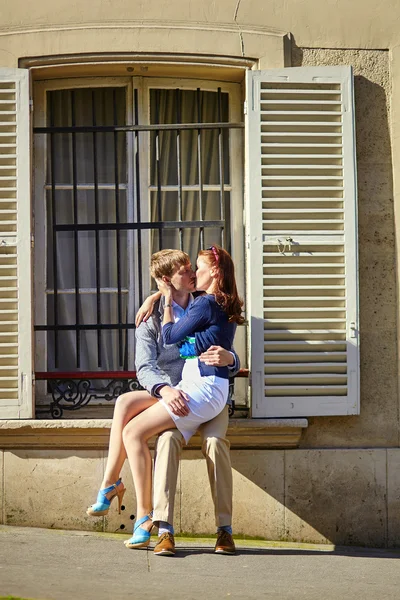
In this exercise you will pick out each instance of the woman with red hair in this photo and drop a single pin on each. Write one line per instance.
(210, 321)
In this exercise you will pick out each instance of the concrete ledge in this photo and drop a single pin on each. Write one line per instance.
(94, 433)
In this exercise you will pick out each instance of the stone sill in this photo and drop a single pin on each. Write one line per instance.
(94, 433)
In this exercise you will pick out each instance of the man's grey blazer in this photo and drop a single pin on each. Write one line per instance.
(155, 361)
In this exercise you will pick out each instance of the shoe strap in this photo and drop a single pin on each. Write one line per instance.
(105, 491)
(141, 521)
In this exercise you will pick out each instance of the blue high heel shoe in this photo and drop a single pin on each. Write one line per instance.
(104, 499)
(141, 537)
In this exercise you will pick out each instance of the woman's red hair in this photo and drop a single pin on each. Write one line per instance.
(226, 294)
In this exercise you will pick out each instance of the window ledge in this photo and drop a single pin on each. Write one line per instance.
(94, 433)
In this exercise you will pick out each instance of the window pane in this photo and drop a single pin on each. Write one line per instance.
(163, 109)
(110, 264)
(166, 205)
(62, 104)
(86, 206)
(99, 159)
(109, 338)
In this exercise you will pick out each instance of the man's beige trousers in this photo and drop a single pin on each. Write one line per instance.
(215, 448)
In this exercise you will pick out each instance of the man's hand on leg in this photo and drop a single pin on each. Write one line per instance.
(176, 400)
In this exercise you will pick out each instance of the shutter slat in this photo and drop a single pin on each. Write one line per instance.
(302, 156)
(299, 177)
(310, 113)
(299, 145)
(301, 215)
(299, 134)
(299, 92)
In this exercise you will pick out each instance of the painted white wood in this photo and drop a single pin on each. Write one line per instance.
(301, 242)
(16, 394)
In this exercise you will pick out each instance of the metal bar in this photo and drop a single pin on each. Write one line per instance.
(138, 207)
(179, 166)
(206, 187)
(87, 327)
(54, 233)
(87, 291)
(156, 127)
(221, 167)
(89, 186)
(97, 241)
(118, 242)
(199, 160)
(143, 225)
(43, 375)
(76, 244)
(158, 167)
(153, 188)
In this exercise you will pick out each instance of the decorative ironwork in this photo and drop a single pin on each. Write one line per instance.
(70, 394)
(72, 391)
(232, 406)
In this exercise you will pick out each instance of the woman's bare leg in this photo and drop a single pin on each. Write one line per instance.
(135, 436)
(127, 407)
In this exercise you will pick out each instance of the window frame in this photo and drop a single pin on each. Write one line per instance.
(143, 86)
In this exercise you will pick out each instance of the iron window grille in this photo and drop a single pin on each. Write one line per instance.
(124, 143)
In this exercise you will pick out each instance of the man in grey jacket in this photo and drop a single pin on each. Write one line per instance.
(159, 367)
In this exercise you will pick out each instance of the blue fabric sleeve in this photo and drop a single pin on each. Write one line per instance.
(233, 369)
(198, 315)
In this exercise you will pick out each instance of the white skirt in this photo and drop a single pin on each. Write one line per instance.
(207, 398)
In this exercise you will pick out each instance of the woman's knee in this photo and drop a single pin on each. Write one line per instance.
(122, 401)
(129, 435)
(134, 433)
(124, 404)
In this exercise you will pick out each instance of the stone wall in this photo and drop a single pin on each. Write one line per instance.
(321, 496)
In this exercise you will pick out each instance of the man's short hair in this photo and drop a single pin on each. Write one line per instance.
(166, 262)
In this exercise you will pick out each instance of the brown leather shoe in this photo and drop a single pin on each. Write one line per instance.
(225, 543)
(165, 545)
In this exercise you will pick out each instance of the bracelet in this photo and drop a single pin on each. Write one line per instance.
(167, 305)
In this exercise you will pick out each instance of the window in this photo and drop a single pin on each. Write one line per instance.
(300, 207)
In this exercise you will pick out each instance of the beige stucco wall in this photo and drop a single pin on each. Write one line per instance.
(330, 24)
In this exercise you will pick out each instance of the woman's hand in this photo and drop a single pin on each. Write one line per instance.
(176, 400)
(146, 310)
(217, 357)
(164, 287)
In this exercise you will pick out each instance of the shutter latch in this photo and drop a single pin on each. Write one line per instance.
(282, 246)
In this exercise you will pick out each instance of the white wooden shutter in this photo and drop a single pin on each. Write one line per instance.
(15, 248)
(302, 242)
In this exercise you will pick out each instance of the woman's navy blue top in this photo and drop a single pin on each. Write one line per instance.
(209, 324)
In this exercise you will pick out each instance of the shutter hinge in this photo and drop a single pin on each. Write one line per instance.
(245, 107)
(31, 104)
(32, 240)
